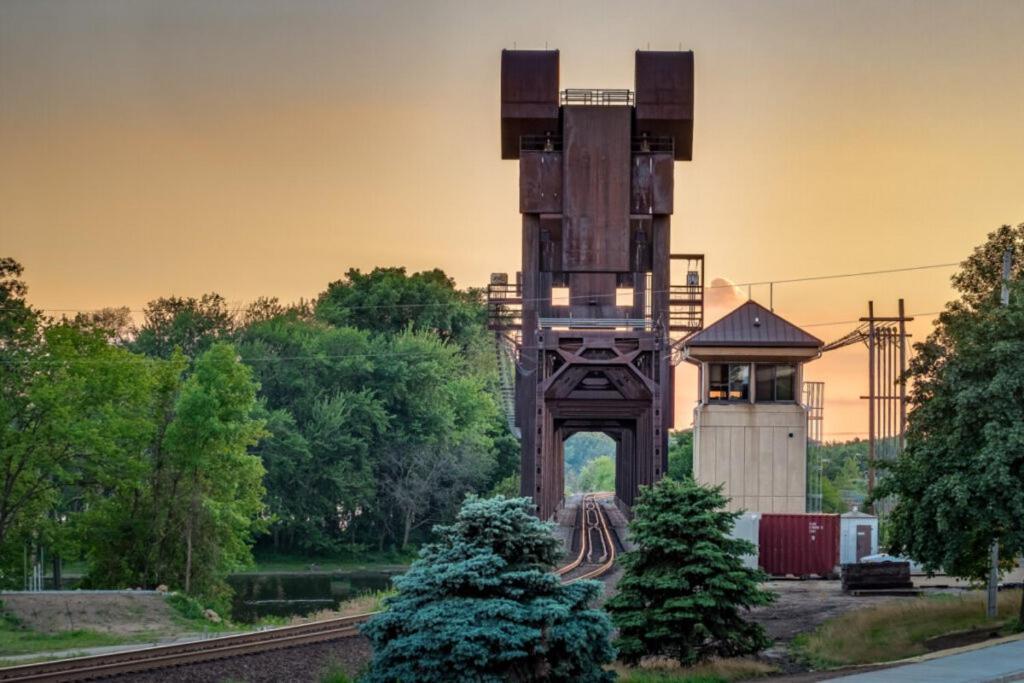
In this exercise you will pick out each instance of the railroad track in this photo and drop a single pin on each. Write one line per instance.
(169, 656)
(596, 556)
(597, 544)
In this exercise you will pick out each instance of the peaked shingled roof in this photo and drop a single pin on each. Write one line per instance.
(753, 325)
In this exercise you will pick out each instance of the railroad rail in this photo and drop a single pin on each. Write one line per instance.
(169, 656)
(595, 532)
(596, 556)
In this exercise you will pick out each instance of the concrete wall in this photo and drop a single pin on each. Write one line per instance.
(757, 450)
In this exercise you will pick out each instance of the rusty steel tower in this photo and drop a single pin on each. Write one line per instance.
(591, 322)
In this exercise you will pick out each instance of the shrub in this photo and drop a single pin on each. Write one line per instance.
(684, 585)
(481, 605)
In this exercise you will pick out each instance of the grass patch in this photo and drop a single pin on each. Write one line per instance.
(715, 671)
(897, 630)
(334, 673)
(189, 614)
(16, 639)
(364, 604)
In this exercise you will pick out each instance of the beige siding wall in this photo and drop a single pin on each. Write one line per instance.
(748, 448)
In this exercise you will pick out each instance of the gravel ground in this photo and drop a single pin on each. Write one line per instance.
(302, 664)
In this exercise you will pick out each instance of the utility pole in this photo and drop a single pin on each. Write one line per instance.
(871, 399)
(902, 380)
(993, 571)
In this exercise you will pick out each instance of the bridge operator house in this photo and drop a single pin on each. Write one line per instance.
(750, 429)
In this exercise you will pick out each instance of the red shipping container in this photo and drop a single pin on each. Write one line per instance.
(799, 545)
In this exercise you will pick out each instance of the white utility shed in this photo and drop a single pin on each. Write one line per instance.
(858, 536)
(748, 527)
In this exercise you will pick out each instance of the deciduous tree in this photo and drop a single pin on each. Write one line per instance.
(960, 482)
(597, 475)
(186, 514)
(185, 323)
(389, 300)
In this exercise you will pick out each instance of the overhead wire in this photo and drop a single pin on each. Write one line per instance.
(736, 285)
(278, 359)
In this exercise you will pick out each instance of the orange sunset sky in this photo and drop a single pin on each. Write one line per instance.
(252, 148)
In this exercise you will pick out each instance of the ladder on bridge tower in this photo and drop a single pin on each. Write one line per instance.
(507, 350)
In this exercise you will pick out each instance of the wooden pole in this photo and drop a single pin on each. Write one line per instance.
(871, 398)
(903, 384)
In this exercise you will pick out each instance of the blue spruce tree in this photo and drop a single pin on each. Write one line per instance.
(482, 605)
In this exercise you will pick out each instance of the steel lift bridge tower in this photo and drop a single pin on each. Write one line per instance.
(589, 327)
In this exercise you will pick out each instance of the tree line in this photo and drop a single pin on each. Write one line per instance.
(160, 452)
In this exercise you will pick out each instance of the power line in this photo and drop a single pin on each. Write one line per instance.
(568, 299)
(844, 275)
(851, 322)
(136, 357)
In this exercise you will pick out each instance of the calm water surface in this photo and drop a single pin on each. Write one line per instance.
(299, 593)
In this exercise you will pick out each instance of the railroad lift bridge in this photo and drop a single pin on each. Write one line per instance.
(588, 330)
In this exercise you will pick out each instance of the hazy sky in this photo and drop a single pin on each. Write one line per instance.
(257, 148)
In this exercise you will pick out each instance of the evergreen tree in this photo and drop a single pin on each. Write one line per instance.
(684, 584)
(481, 605)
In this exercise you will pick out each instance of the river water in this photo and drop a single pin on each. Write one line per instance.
(299, 593)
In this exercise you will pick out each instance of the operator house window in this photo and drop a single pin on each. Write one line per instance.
(775, 382)
(728, 381)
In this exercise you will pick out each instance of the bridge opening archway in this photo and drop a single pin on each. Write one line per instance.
(588, 459)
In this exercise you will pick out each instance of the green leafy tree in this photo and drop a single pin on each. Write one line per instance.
(597, 475)
(72, 409)
(481, 605)
(20, 347)
(115, 324)
(388, 300)
(685, 583)
(387, 431)
(582, 447)
(324, 426)
(187, 513)
(439, 448)
(297, 361)
(81, 412)
(221, 485)
(507, 487)
(341, 433)
(960, 482)
(680, 455)
(185, 323)
(831, 501)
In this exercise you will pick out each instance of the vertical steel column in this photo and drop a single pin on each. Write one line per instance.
(526, 389)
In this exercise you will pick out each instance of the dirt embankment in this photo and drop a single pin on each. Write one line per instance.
(115, 612)
(802, 606)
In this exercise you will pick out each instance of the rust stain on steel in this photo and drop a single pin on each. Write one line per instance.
(664, 97)
(540, 182)
(529, 96)
(596, 173)
(652, 179)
